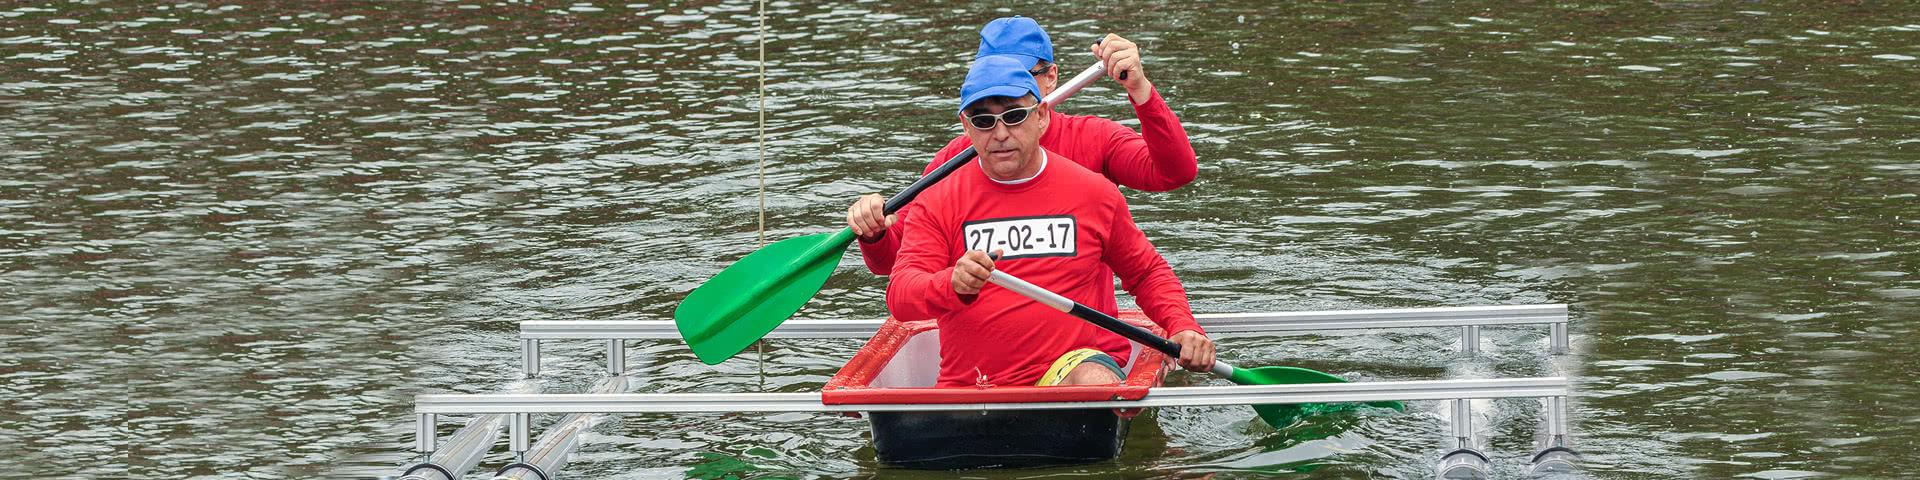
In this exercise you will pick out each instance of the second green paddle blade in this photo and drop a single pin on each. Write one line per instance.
(747, 300)
(1282, 415)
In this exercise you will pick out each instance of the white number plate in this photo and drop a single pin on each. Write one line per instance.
(1023, 237)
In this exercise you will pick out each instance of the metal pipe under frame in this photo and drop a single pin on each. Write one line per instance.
(463, 449)
(1536, 387)
(546, 457)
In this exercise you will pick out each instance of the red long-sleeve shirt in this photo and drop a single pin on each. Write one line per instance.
(1158, 158)
(1060, 230)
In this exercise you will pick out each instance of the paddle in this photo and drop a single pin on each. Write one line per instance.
(747, 300)
(1279, 416)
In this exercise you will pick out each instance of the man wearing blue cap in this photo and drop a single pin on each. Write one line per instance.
(1056, 224)
(1157, 158)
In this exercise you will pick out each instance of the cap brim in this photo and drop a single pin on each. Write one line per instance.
(994, 91)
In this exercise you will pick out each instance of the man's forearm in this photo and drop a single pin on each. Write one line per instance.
(880, 254)
(914, 294)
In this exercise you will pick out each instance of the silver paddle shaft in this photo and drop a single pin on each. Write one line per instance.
(1086, 77)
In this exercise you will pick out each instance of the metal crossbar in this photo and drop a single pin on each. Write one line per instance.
(1215, 323)
(1469, 319)
(1536, 387)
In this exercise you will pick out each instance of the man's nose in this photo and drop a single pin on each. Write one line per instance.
(1001, 130)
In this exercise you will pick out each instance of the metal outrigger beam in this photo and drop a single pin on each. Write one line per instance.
(508, 403)
(1469, 319)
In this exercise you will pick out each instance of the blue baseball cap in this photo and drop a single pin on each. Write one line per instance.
(1016, 36)
(997, 76)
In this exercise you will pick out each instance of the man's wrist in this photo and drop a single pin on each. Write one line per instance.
(1141, 97)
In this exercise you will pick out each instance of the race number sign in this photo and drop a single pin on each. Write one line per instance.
(1023, 237)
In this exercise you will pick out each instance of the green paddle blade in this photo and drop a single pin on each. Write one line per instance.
(1282, 415)
(748, 299)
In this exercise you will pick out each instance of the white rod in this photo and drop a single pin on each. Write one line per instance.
(1463, 423)
(521, 425)
(529, 354)
(1470, 340)
(423, 434)
(1556, 421)
(1215, 323)
(1156, 397)
(616, 356)
(1561, 344)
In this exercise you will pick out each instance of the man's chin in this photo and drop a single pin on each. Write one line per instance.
(1004, 171)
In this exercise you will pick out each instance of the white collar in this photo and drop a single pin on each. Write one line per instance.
(1036, 174)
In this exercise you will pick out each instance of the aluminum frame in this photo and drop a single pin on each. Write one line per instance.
(552, 403)
(1553, 391)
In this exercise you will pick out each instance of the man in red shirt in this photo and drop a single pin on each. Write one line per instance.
(1157, 158)
(1056, 224)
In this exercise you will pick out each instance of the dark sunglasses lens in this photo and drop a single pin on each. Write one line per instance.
(1014, 117)
(1011, 117)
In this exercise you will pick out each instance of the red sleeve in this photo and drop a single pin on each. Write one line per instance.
(879, 255)
(921, 284)
(1147, 276)
(1158, 158)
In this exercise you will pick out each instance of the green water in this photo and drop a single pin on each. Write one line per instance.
(235, 240)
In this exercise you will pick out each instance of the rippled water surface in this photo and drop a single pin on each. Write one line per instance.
(236, 239)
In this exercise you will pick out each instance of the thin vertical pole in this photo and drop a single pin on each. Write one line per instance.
(423, 436)
(530, 357)
(519, 426)
(1470, 339)
(760, 347)
(617, 357)
(1462, 424)
(763, 123)
(1558, 331)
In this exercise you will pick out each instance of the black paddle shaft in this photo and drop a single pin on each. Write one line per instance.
(1077, 309)
(900, 200)
(1131, 331)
